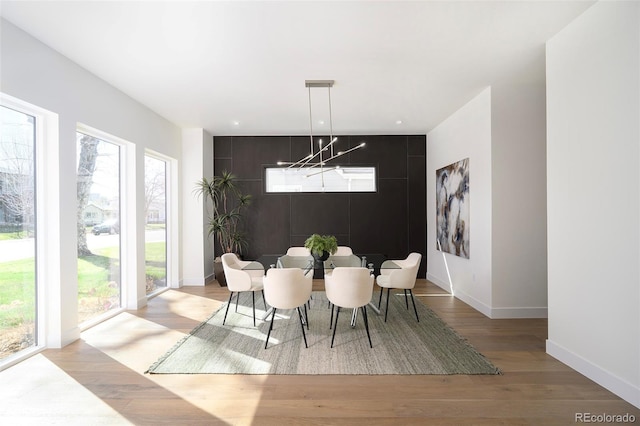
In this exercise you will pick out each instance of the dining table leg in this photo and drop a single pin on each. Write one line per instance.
(354, 314)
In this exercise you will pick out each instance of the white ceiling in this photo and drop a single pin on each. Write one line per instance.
(210, 63)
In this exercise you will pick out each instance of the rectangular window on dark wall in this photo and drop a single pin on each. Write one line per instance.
(316, 179)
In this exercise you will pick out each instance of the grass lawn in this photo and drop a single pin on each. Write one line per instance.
(17, 299)
(13, 235)
(98, 280)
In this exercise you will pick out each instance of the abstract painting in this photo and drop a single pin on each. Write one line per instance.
(452, 204)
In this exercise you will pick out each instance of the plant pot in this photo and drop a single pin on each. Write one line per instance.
(319, 259)
(218, 272)
(318, 264)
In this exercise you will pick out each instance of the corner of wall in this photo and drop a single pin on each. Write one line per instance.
(465, 134)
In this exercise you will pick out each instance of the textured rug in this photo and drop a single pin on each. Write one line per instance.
(400, 346)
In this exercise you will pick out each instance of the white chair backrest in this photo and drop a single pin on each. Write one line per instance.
(406, 276)
(343, 251)
(237, 279)
(349, 287)
(298, 251)
(287, 288)
(412, 261)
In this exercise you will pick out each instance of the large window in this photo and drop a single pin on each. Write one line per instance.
(155, 235)
(18, 307)
(99, 272)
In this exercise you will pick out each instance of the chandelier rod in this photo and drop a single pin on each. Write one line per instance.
(310, 121)
(339, 154)
(330, 121)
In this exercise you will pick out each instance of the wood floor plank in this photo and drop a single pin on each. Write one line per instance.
(104, 372)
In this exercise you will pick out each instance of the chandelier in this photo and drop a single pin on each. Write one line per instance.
(325, 152)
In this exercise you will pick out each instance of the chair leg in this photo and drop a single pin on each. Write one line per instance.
(335, 325)
(264, 301)
(406, 300)
(227, 310)
(331, 320)
(386, 310)
(253, 305)
(304, 336)
(306, 316)
(380, 300)
(366, 324)
(414, 304)
(270, 328)
(237, 298)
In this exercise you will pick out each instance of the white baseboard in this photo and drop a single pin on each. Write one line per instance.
(494, 313)
(437, 281)
(473, 302)
(193, 282)
(620, 387)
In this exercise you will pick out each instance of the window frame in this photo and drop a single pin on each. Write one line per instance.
(45, 134)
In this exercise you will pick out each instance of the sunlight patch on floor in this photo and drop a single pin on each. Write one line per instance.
(182, 303)
(137, 343)
(132, 341)
(36, 391)
(434, 295)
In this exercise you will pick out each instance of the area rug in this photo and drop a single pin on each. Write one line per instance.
(400, 346)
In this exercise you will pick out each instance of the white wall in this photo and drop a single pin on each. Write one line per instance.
(593, 158)
(519, 221)
(502, 131)
(197, 262)
(467, 133)
(34, 73)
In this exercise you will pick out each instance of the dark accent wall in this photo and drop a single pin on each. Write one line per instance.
(391, 221)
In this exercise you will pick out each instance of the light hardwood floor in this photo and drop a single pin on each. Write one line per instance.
(99, 379)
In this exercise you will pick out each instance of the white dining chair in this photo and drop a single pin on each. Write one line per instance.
(239, 280)
(403, 277)
(348, 287)
(287, 288)
(298, 251)
(343, 251)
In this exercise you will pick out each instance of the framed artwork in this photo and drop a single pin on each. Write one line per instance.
(452, 204)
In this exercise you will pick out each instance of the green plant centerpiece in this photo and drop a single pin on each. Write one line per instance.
(321, 246)
(227, 203)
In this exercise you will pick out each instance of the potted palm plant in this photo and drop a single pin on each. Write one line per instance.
(225, 217)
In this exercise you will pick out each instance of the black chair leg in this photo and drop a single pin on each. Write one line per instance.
(227, 310)
(406, 300)
(270, 328)
(335, 326)
(306, 316)
(264, 301)
(253, 305)
(331, 320)
(304, 336)
(386, 310)
(237, 298)
(380, 300)
(414, 305)
(366, 324)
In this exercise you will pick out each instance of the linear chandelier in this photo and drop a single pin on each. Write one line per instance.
(325, 153)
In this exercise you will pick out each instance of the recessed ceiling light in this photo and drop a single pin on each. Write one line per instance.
(235, 122)
(320, 121)
(398, 122)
